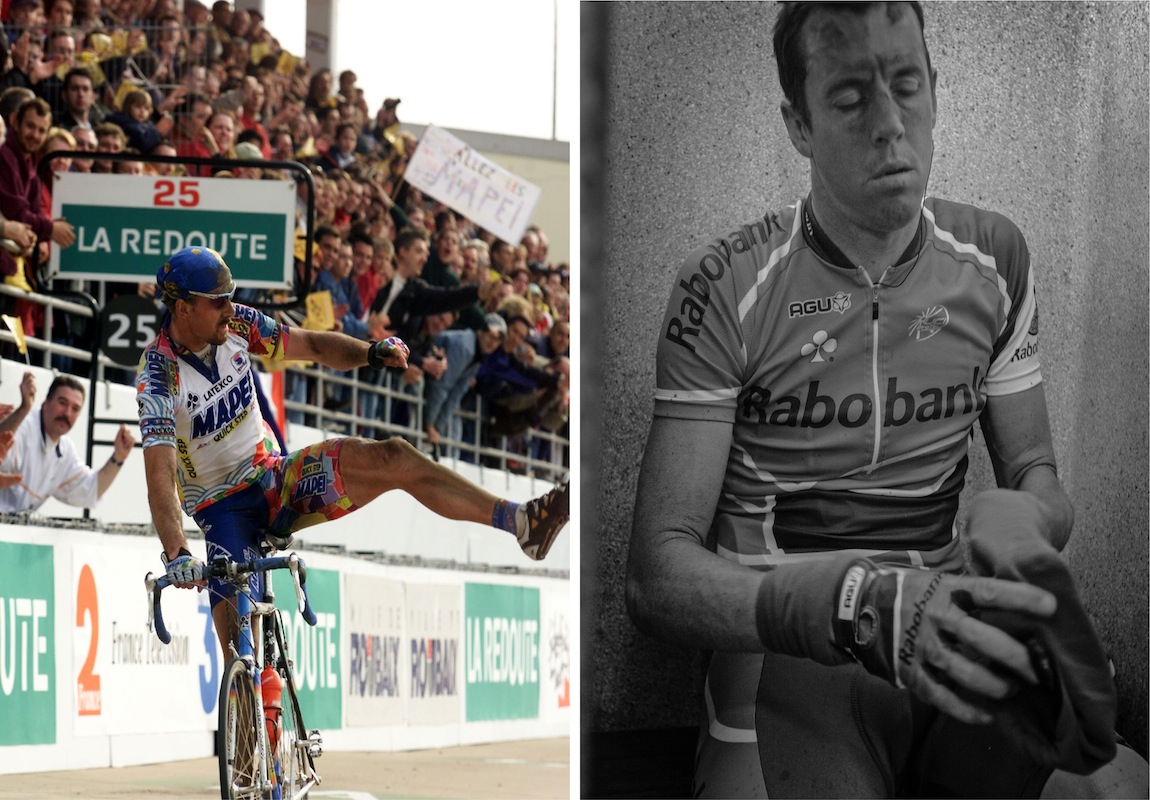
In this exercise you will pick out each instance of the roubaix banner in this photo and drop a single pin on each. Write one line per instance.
(127, 225)
(374, 655)
(448, 169)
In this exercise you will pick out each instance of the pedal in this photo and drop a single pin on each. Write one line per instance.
(314, 744)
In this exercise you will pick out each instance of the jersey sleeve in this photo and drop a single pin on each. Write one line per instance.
(1014, 364)
(701, 357)
(156, 387)
(265, 336)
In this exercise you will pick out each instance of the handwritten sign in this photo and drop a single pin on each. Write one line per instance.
(448, 169)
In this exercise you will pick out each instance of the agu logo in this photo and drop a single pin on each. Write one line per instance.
(839, 302)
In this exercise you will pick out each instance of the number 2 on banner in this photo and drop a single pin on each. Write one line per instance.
(169, 193)
(88, 681)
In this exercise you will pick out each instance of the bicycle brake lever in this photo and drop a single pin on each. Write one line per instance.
(299, 578)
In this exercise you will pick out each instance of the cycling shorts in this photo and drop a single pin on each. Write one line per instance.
(823, 731)
(298, 490)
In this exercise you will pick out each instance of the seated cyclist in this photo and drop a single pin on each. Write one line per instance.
(207, 446)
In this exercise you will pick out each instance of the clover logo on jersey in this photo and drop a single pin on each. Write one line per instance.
(820, 343)
(929, 322)
(193, 401)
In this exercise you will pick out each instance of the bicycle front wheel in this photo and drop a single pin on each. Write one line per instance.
(238, 740)
(295, 753)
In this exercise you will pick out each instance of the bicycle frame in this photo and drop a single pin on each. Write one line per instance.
(244, 653)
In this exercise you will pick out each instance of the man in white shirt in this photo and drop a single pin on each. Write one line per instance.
(46, 459)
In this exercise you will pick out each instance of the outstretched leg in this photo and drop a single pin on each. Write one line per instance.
(370, 468)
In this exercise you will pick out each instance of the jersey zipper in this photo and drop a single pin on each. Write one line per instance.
(875, 370)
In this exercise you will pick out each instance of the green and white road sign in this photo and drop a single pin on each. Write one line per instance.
(127, 225)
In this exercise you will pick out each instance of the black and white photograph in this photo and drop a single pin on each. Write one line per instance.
(865, 393)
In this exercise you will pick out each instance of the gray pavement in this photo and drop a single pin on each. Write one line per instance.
(529, 769)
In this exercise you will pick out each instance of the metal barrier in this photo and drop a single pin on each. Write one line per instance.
(330, 421)
(499, 455)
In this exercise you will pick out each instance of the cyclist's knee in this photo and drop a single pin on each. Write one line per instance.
(385, 464)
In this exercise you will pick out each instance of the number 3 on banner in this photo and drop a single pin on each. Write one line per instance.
(187, 192)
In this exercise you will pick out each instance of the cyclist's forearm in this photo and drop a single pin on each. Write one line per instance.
(331, 349)
(160, 468)
(169, 526)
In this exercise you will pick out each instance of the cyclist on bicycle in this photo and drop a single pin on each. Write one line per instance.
(207, 446)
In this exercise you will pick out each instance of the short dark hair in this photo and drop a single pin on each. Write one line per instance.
(250, 135)
(360, 236)
(789, 55)
(11, 98)
(65, 382)
(36, 104)
(324, 231)
(407, 236)
(77, 72)
(512, 319)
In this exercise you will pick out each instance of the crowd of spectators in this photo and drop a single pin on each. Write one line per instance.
(488, 321)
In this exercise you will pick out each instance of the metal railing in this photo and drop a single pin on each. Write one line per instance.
(491, 452)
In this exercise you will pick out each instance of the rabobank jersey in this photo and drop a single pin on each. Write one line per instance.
(208, 410)
(851, 400)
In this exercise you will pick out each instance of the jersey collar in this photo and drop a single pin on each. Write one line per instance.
(209, 370)
(827, 250)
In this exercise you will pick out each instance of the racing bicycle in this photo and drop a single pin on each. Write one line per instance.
(260, 756)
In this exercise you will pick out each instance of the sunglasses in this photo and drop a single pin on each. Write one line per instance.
(218, 299)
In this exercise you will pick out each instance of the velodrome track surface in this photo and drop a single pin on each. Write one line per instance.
(530, 769)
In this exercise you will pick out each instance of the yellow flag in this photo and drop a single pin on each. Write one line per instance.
(320, 314)
(287, 63)
(17, 328)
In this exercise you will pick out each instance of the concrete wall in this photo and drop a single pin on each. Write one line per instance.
(1042, 116)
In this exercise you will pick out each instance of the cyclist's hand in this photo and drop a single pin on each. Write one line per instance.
(912, 628)
(186, 571)
(391, 352)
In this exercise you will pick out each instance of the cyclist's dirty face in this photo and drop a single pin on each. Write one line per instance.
(209, 316)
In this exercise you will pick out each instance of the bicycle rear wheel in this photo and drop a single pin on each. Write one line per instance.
(237, 739)
(294, 753)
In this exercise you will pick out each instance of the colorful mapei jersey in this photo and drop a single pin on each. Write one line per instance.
(852, 400)
(208, 410)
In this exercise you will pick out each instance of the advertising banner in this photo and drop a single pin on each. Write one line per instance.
(447, 168)
(127, 225)
(315, 650)
(502, 630)
(434, 624)
(374, 655)
(118, 661)
(555, 651)
(27, 645)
